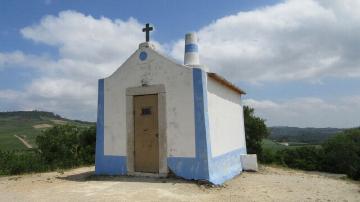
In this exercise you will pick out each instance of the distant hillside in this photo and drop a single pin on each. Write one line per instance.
(305, 135)
(21, 127)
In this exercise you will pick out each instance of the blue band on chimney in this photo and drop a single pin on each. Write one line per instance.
(191, 48)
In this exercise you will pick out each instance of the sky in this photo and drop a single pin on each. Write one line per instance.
(298, 60)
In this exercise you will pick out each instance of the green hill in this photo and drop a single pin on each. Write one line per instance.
(26, 125)
(302, 135)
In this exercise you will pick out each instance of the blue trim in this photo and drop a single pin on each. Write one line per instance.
(203, 167)
(202, 140)
(184, 167)
(143, 56)
(223, 167)
(111, 165)
(201, 115)
(226, 166)
(99, 150)
(196, 168)
(191, 48)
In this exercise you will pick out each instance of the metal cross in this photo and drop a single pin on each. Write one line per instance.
(147, 29)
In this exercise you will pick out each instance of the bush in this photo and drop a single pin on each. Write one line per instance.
(67, 146)
(59, 147)
(17, 162)
(255, 131)
(342, 154)
(305, 158)
(87, 142)
(339, 154)
(268, 156)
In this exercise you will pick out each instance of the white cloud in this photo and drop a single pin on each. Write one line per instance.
(293, 40)
(55, 88)
(88, 49)
(309, 111)
(19, 58)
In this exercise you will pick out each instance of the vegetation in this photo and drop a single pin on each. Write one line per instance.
(333, 150)
(339, 154)
(62, 146)
(67, 146)
(28, 125)
(302, 135)
(342, 153)
(255, 131)
(16, 162)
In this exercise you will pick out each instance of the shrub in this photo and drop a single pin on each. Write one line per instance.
(339, 154)
(268, 156)
(67, 146)
(17, 162)
(255, 131)
(342, 153)
(305, 158)
(87, 142)
(58, 147)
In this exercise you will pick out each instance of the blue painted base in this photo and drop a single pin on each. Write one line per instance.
(219, 169)
(226, 166)
(111, 165)
(188, 168)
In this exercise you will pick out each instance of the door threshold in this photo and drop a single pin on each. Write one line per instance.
(142, 174)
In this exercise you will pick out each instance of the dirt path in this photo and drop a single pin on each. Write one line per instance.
(24, 142)
(270, 184)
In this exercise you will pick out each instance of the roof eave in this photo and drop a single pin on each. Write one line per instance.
(226, 83)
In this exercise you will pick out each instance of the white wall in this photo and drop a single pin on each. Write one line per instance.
(226, 120)
(179, 102)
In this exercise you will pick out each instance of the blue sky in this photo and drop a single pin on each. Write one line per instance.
(297, 60)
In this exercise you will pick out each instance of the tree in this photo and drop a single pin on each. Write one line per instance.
(255, 131)
(342, 153)
(67, 145)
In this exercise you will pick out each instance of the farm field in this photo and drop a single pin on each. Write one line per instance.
(27, 125)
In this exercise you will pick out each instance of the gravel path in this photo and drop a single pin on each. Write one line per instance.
(24, 142)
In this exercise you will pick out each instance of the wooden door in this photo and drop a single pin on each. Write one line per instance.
(146, 134)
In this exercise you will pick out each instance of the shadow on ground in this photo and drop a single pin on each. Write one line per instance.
(90, 176)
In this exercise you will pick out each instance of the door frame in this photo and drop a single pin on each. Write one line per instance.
(161, 94)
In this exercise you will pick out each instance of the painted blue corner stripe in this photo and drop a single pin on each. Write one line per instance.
(99, 152)
(109, 165)
(191, 48)
(201, 123)
(200, 116)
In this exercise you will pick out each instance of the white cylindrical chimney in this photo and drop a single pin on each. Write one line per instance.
(191, 57)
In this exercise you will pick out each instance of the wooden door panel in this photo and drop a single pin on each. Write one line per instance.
(146, 133)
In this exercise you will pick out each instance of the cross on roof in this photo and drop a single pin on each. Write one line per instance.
(147, 29)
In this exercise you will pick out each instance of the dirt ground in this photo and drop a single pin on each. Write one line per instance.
(269, 184)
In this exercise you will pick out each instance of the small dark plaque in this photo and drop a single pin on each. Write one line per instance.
(146, 111)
